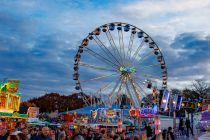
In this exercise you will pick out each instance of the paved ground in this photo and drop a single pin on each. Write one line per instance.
(185, 138)
(205, 136)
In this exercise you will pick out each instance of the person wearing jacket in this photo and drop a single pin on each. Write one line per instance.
(44, 135)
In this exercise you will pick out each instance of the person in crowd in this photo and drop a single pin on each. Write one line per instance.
(89, 135)
(34, 133)
(22, 136)
(116, 137)
(26, 132)
(3, 133)
(181, 126)
(63, 137)
(188, 126)
(170, 134)
(159, 137)
(164, 134)
(52, 134)
(149, 132)
(122, 136)
(13, 137)
(61, 133)
(44, 135)
(77, 134)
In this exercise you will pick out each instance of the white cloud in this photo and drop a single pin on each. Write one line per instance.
(169, 17)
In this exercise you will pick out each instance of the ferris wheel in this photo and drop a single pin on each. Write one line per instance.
(119, 59)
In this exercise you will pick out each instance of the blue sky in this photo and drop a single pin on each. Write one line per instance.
(39, 38)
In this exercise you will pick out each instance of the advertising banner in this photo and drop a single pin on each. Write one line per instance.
(12, 86)
(33, 112)
(110, 113)
(164, 102)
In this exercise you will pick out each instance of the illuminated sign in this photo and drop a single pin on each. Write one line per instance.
(134, 112)
(186, 104)
(148, 112)
(206, 101)
(94, 114)
(9, 96)
(10, 86)
(206, 107)
(110, 113)
(33, 112)
(179, 102)
(165, 98)
(175, 101)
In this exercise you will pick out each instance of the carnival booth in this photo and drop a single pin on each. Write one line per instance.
(204, 124)
(10, 104)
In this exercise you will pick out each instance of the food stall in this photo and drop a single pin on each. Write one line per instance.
(10, 104)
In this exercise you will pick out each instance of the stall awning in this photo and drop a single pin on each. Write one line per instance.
(14, 115)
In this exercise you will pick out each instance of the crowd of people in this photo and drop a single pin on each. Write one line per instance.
(80, 133)
(185, 126)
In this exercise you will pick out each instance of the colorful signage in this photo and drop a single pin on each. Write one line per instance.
(33, 112)
(94, 114)
(186, 104)
(110, 113)
(148, 112)
(179, 102)
(206, 107)
(10, 86)
(9, 96)
(134, 112)
(164, 102)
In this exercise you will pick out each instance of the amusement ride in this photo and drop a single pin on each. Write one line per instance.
(119, 59)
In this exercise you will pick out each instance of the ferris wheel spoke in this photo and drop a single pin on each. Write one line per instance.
(96, 67)
(145, 57)
(115, 87)
(102, 58)
(119, 90)
(104, 87)
(130, 46)
(98, 77)
(149, 66)
(139, 80)
(137, 51)
(114, 46)
(141, 88)
(130, 94)
(146, 74)
(121, 43)
(84, 98)
(105, 49)
(135, 91)
(151, 76)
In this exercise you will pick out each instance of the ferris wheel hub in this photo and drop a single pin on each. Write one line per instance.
(127, 70)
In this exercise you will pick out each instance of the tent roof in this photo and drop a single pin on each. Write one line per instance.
(87, 110)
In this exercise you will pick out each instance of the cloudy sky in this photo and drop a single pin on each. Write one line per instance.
(39, 38)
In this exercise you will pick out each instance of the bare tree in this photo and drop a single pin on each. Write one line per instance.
(175, 91)
(201, 87)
